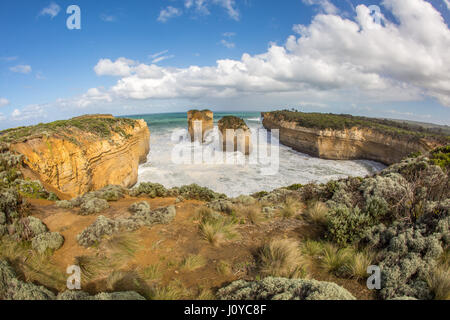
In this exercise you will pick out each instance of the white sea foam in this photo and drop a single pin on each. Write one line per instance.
(235, 180)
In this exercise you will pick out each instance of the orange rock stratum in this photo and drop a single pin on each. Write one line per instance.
(74, 159)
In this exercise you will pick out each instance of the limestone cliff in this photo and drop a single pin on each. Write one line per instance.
(346, 144)
(83, 154)
(205, 117)
(241, 134)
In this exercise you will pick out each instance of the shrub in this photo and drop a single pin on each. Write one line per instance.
(93, 206)
(409, 250)
(151, 190)
(81, 295)
(347, 225)
(49, 240)
(65, 204)
(224, 206)
(195, 192)
(96, 231)
(11, 288)
(283, 289)
(142, 206)
(281, 258)
(441, 157)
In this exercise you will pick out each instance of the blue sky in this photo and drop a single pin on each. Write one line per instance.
(134, 57)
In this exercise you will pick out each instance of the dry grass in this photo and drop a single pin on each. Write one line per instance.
(124, 243)
(173, 291)
(439, 283)
(35, 267)
(282, 258)
(92, 266)
(312, 248)
(113, 279)
(224, 268)
(152, 272)
(359, 262)
(317, 213)
(216, 228)
(250, 213)
(335, 260)
(290, 208)
(192, 262)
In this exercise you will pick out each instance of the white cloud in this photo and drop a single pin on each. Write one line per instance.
(229, 34)
(4, 102)
(8, 59)
(201, 7)
(325, 5)
(168, 13)
(21, 69)
(160, 56)
(227, 44)
(447, 3)
(29, 112)
(121, 67)
(333, 57)
(52, 10)
(230, 6)
(107, 18)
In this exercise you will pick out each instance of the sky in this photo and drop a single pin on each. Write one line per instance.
(387, 58)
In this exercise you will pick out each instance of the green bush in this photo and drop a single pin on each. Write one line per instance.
(11, 288)
(93, 206)
(148, 189)
(283, 289)
(48, 240)
(408, 251)
(347, 225)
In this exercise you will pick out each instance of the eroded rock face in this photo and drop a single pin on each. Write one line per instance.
(241, 134)
(348, 144)
(206, 118)
(75, 160)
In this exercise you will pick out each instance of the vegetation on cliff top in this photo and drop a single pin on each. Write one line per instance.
(232, 122)
(99, 125)
(344, 121)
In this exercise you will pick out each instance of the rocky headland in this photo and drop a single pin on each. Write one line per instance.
(342, 137)
(82, 154)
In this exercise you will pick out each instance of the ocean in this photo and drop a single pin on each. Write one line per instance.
(234, 180)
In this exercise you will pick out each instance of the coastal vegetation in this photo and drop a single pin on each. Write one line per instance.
(100, 125)
(312, 241)
(345, 121)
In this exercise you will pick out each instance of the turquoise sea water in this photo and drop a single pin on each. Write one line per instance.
(233, 180)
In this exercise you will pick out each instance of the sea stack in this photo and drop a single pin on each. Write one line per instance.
(241, 134)
(205, 117)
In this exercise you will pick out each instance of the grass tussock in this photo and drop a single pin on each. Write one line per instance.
(439, 283)
(282, 258)
(215, 228)
(192, 262)
(33, 266)
(251, 214)
(152, 272)
(317, 213)
(291, 208)
(92, 266)
(335, 260)
(173, 291)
